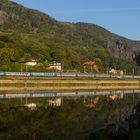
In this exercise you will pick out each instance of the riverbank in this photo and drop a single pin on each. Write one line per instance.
(25, 83)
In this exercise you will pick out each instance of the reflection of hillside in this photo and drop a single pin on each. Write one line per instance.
(128, 120)
(120, 114)
(72, 121)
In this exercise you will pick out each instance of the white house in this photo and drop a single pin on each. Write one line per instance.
(55, 65)
(113, 71)
(31, 63)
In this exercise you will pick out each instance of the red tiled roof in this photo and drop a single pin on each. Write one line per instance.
(90, 63)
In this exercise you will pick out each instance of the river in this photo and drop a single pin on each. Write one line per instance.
(71, 115)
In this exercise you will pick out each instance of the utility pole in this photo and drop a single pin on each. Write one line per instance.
(21, 67)
(26, 68)
(133, 72)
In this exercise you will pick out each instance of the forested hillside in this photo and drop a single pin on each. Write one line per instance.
(29, 34)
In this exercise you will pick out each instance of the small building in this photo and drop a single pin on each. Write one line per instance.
(114, 71)
(55, 65)
(90, 65)
(31, 63)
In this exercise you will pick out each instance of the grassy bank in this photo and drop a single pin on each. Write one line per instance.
(32, 83)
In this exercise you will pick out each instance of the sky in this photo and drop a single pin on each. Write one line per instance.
(121, 17)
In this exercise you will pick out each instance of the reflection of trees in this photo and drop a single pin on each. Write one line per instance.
(71, 121)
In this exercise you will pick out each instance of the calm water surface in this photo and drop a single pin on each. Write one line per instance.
(62, 115)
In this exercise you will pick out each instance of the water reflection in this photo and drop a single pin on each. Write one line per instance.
(113, 94)
(63, 115)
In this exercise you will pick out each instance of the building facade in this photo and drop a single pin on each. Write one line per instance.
(55, 65)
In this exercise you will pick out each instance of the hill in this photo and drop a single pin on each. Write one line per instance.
(27, 34)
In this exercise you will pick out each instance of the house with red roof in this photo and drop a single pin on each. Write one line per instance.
(91, 65)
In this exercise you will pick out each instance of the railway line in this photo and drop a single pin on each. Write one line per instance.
(62, 74)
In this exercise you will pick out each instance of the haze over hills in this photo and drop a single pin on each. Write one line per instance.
(27, 34)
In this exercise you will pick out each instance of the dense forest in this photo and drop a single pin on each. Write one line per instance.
(27, 34)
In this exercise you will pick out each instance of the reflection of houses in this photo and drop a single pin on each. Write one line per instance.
(31, 63)
(89, 105)
(116, 97)
(55, 65)
(56, 102)
(90, 65)
(92, 103)
(31, 106)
